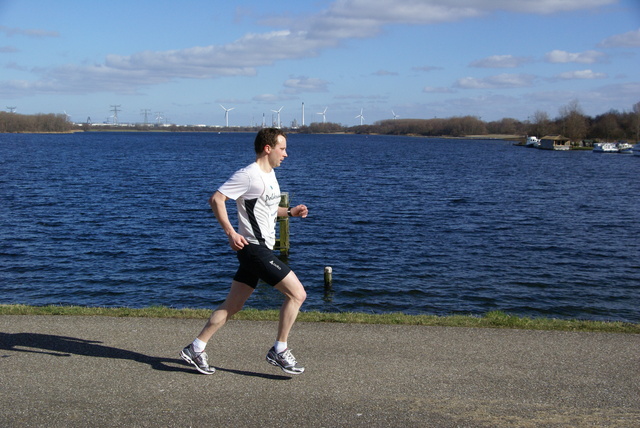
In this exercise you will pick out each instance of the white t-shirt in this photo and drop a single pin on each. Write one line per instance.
(257, 195)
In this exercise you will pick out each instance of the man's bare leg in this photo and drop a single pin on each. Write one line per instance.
(235, 300)
(194, 353)
(295, 296)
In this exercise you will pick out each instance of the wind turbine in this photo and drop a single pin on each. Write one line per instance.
(226, 114)
(278, 121)
(395, 116)
(361, 118)
(324, 113)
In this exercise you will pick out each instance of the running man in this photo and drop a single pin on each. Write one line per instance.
(257, 194)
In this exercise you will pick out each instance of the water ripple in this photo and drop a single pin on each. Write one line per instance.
(411, 225)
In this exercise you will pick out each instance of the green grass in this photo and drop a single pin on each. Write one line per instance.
(494, 319)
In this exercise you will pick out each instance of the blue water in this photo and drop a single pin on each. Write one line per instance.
(421, 226)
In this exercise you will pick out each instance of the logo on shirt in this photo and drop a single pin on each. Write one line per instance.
(272, 200)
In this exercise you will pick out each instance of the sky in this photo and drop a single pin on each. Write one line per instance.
(180, 61)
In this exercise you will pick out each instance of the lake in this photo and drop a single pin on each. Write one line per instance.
(413, 225)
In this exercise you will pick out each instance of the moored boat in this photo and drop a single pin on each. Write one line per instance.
(533, 142)
(625, 148)
(605, 148)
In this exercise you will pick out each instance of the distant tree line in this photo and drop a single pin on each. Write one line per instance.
(571, 122)
(322, 128)
(14, 122)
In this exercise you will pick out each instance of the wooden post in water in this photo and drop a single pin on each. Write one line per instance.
(282, 243)
(328, 278)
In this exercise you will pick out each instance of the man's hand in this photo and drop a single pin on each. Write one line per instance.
(237, 241)
(300, 211)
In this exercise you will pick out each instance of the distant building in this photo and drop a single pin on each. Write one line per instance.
(555, 142)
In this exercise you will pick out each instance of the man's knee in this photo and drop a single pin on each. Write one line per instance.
(300, 295)
(293, 288)
(297, 293)
(232, 306)
(237, 297)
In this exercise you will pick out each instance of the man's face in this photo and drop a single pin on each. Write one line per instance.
(278, 153)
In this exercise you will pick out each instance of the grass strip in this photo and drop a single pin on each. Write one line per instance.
(495, 319)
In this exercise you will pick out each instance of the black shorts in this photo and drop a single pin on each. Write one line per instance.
(259, 262)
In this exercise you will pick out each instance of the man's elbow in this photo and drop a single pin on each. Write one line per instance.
(216, 199)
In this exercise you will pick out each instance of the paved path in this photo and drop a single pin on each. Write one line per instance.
(58, 371)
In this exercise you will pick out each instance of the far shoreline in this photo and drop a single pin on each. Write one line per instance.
(490, 137)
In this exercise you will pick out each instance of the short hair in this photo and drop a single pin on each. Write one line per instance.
(267, 137)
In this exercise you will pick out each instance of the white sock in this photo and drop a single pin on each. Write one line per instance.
(280, 346)
(198, 345)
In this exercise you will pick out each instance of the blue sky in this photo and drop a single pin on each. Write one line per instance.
(418, 58)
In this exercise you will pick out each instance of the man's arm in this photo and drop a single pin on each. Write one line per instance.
(297, 211)
(219, 207)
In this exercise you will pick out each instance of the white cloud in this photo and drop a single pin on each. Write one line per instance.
(366, 13)
(500, 81)
(14, 88)
(385, 73)
(306, 37)
(15, 66)
(595, 101)
(236, 58)
(360, 97)
(35, 33)
(500, 61)
(365, 18)
(628, 91)
(125, 74)
(486, 106)
(630, 39)
(587, 57)
(271, 98)
(380, 12)
(546, 6)
(581, 74)
(426, 68)
(296, 85)
(439, 90)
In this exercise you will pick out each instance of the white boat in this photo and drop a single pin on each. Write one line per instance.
(605, 148)
(625, 148)
(532, 142)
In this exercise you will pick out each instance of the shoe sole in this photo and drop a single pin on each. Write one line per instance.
(275, 363)
(190, 361)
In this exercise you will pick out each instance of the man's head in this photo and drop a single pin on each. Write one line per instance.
(267, 137)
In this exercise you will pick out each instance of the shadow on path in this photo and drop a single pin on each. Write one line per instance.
(64, 346)
(254, 374)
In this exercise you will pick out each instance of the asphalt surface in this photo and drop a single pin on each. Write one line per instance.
(59, 371)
